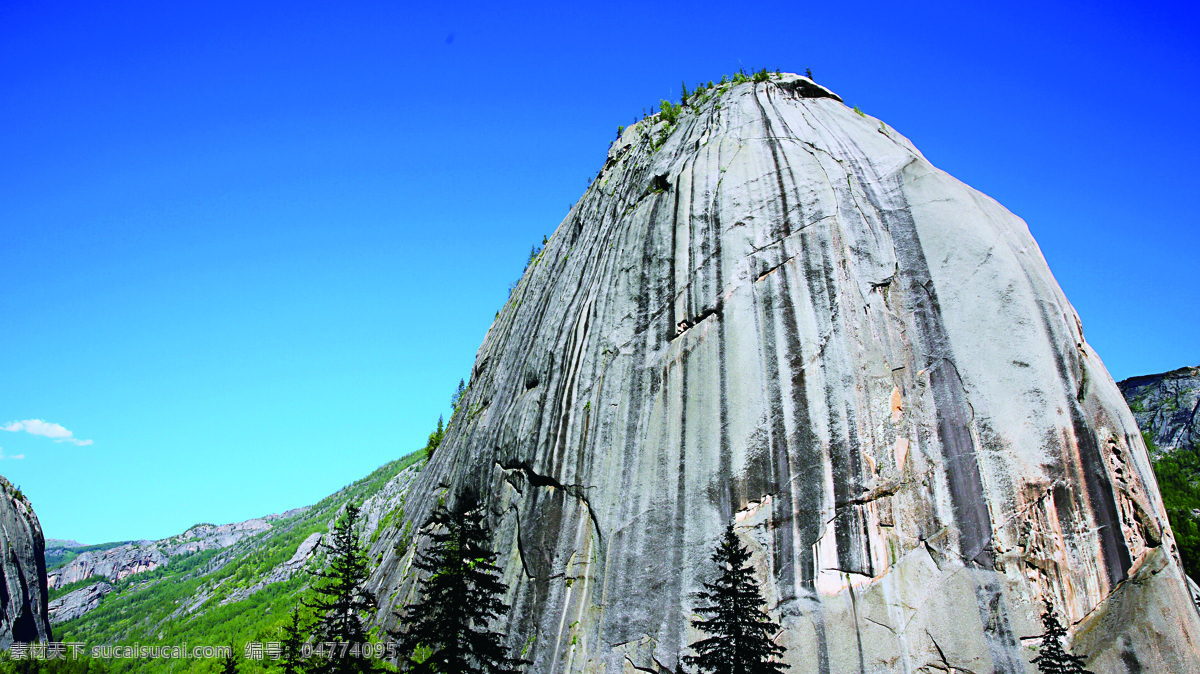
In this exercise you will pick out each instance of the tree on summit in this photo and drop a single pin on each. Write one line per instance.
(447, 629)
(739, 641)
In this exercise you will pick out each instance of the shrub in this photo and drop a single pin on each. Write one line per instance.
(670, 113)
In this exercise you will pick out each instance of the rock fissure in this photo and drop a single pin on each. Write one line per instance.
(576, 491)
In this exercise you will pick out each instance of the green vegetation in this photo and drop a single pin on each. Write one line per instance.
(1178, 475)
(71, 587)
(290, 660)
(447, 629)
(435, 439)
(859, 112)
(229, 663)
(57, 557)
(340, 602)
(670, 113)
(1052, 658)
(206, 598)
(740, 631)
(82, 665)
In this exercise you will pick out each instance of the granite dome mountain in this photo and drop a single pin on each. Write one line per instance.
(768, 309)
(771, 309)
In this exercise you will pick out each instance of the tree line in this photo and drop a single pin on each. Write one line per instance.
(448, 628)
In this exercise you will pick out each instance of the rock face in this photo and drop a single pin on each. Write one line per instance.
(1167, 406)
(23, 591)
(126, 560)
(74, 604)
(777, 312)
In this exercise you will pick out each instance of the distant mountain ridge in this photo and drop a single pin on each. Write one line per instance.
(1166, 407)
(216, 584)
(60, 552)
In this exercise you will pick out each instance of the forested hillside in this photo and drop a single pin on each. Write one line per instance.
(237, 595)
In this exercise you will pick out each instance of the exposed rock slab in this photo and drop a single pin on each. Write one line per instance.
(777, 312)
(23, 591)
(1167, 406)
(78, 602)
(126, 560)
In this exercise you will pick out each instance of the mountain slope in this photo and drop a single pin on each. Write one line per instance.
(208, 594)
(1167, 406)
(770, 310)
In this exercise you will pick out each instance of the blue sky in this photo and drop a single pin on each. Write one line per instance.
(247, 250)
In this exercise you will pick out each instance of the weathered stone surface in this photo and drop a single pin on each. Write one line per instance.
(126, 560)
(23, 591)
(1167, 406)
(74, 604)
(785, 316)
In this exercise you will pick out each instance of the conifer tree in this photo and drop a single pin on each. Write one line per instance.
(1052, 658)
(739, 630)
(435, 439)
(229, 663)
(290, 653)
(340, 602)
(447, 629)
(456, 398)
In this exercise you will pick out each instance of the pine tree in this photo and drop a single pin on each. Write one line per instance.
(341, 600)
(458, 394)
(739, 641)
(290, 655)
(435, 439)
(1052, 658)
(447, 629)
(229, 663)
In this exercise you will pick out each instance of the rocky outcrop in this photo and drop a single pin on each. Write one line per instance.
(284, 571)
(1167, 407)
(74, 604)
(23, 591)
(113, 564)
(776, 312)
(126, 560)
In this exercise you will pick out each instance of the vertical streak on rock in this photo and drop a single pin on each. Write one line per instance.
(844, 451)
(804, 502)
(784, 557)
(675, 633)
(952, 410)
(1100, 497)
(774, 146)
(730, 502)
(993, 613)
(800, 494)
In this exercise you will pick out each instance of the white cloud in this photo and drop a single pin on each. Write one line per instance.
(45, 429)
(2, 457)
